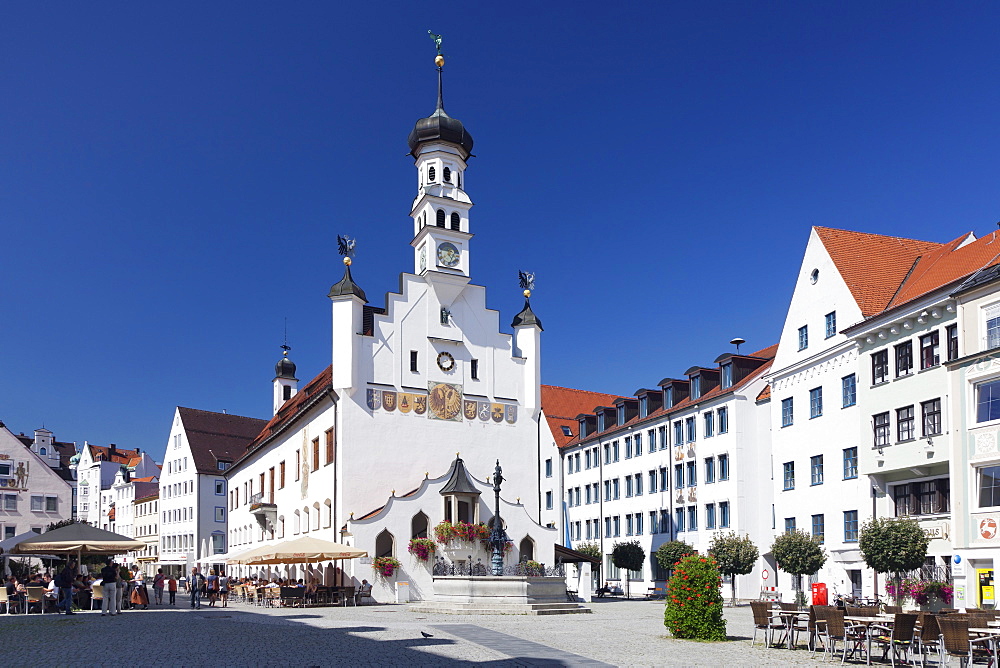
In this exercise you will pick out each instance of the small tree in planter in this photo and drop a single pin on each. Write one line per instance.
(422, 548)
(798, 554)
(592, 549)
(736, 555)
(694, 606)
(385, 567)
(630, 556)
(893, 546)
(670, 553)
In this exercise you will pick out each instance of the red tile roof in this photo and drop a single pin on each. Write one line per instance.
(948, 265)
(873, 265)
(121, 456)
(149, 479)
(765, 394)
(292, 408)
(766, 353)
(215, 437)
(562, 404)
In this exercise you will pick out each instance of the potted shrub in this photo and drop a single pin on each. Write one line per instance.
(422, 548)
(385, 567)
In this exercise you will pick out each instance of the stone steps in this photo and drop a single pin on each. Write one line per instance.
(480, 608)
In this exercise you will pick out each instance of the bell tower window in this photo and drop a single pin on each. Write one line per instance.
(440, 217)
(431, 174)
(456, 221)
(447, 175)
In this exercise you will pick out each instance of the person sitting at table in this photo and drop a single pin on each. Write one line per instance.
(310, 591)
(300, 584)
(15, 593)
(365, 590)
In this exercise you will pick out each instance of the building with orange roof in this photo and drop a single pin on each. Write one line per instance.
(96, 467)
(682, 461)
(33, 490)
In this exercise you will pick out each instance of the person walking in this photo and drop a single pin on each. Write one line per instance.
(109, 582)
(196, 583)
(224, 587)
(158, 583)
(64, 583)
(212, 586)
(172, 589)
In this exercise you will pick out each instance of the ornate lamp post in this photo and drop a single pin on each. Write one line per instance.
(498, 537)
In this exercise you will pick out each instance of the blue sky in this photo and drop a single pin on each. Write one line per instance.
(173, 178)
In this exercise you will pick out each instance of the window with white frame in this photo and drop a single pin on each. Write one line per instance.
(880, 367)
(709, 424)
(988, 401)
(930, 350)
(880, 429)
(831, 324)
(220, 514)
(816, 470)
(991, 325)
(787, 412)
(930, 412)
(905, 427)
(989, 486)
(904, 358)
(723, 420)
(723, 467)
(803, 337)
(849, 391)
(816, 402)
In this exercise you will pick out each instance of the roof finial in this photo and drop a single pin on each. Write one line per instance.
(439, 61)
(285, 346)
(345, 246)
(527, 281)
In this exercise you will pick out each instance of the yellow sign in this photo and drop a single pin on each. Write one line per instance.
(987, 593)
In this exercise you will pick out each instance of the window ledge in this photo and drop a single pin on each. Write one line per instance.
(813, 417)
(909, 374)
(880, 383)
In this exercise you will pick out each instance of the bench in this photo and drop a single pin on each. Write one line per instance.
(656, 593)
(571, 595)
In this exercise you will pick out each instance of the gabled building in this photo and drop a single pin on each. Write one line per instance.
(201, 447)
(413, 381)
(681, 461)
(146, 527)
(35, 489)
(96, 468)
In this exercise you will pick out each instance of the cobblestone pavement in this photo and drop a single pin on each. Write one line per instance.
(619, 632)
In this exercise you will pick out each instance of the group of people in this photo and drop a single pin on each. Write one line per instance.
(215, 587)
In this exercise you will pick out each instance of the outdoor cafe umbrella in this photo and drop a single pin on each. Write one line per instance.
(303, 550)
(80, 538)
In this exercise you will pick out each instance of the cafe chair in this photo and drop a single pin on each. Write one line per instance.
(899, 639)
(957, 642)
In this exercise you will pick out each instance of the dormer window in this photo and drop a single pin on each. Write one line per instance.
(727, 375)
(621, 414)
(447, 175)
(567, 431)
(600, 421)
(668, 397)
(643, 406)
(440, 217)
(456, 221)
(431, 174)
(695, 387)
(583, 429)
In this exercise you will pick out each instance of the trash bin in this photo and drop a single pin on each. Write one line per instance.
(402, 592)
(819, 593)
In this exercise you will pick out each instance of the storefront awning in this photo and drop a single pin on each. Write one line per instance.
(565, 555)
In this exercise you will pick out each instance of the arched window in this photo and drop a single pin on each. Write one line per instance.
(385, 544)
(460, 179)
(281, 527)
(286, 392)
(431, 173)
(440, 218)
(42, 451)
(447, 175)
(456, 221)
(527, 549)
(315, 523)
(418, 526)
(305, 520)
(327, 514)
(295, 522)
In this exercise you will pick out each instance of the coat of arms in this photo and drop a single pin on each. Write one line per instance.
(374, 399)
(419, 403)
(471, 409)
(405, 402)
(511, 414)
(445, 401)
(484, 411)
(496, 412)
(388, 400)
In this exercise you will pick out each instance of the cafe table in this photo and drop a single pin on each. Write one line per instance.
(788, 618)
(868, 622)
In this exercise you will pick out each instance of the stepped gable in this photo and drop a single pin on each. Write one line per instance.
(215, 437)
(561, 405)
(873, 266)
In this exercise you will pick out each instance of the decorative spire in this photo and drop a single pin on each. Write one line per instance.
(439, 125)
(347, 286)
(526, 317)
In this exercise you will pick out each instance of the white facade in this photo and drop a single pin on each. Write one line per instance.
(410, 384)
(827, 495)
(96, 469)
(685, 470)
(147, 529)
(32, 494)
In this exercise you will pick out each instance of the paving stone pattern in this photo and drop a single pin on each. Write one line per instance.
(619, 632)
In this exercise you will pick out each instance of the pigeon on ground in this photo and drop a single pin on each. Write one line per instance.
(426, 635)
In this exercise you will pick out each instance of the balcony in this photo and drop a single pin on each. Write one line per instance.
(266, 513)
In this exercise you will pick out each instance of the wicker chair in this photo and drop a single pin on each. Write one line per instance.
(812, 625)
(928, 638)
(763, 621)
(892, 609)
(956, 641)
(898, 639)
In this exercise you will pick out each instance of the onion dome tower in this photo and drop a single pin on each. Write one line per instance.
(441, 147)
(285, 383)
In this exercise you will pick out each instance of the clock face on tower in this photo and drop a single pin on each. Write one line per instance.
(447, 254)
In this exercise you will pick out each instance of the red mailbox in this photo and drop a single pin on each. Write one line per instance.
(819, 594)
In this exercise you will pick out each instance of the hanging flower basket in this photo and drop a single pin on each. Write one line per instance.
(446, 532)
(422, 548)
(385, 567)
